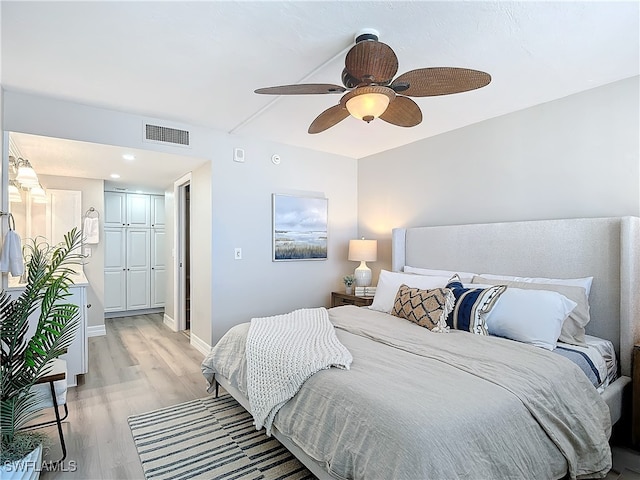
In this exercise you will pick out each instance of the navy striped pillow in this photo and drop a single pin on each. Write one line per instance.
(472, 306)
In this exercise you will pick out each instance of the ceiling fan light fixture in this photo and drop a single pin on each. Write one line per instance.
(368, 103)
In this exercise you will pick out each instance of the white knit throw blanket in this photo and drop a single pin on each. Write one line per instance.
(283, 351)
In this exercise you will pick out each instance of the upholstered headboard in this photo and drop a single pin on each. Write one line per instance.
(608, 249)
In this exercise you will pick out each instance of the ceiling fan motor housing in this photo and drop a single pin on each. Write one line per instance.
(366, 36)
(348, 80)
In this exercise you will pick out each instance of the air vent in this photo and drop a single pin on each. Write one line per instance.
(157, 133)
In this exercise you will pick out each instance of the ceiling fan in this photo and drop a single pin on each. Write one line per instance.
(373, 93)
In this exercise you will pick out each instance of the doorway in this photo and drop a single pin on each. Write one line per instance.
(182, 291)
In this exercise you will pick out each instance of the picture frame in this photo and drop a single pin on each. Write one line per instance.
(299, 228)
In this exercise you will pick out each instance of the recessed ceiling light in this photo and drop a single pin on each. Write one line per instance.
(115, 175)
(129, 156)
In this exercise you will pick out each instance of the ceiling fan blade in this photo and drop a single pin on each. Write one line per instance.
(372, 62)
(328, 118)
(302, 89)
(430, 82)
(403, 112)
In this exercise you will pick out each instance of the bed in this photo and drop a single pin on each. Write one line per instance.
(415, 404)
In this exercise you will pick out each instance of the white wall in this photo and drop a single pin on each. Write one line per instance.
(574, 157)
(241, 217)
(169, 209)
(240, 206)
(4, 179)
(202, 266)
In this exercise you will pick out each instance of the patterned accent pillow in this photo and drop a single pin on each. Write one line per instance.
(427, 308)
(472, 306)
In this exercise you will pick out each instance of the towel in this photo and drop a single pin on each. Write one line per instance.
(11, 257)
(91, 229)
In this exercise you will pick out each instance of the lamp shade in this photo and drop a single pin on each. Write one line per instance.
(360, 250)
(367, 103)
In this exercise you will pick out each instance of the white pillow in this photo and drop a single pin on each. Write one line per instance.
(573, 328)
(530, 316)
(464, 276)
(389, 283)
(575, 282)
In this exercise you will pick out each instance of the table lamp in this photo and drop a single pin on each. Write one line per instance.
(363, 251)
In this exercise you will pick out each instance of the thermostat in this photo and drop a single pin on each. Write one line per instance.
(238, 155)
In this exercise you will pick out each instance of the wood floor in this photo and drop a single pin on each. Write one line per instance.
(140, 365)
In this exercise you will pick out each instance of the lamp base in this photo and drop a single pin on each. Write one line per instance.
(363, 275)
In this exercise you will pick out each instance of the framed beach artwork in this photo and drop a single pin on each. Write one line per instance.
(299, 228)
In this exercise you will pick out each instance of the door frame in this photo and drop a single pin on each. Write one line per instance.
(180, 278)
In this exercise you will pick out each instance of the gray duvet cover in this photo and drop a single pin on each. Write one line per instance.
(421, 405)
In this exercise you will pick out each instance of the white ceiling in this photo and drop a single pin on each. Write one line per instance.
(198, 63)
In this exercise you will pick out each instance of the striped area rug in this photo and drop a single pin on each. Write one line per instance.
(209, 438)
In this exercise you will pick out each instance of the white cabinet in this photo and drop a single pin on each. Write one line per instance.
(127, 272)
(115, 270)
(138, 210)
(115, 211)
(158, 267)
(157, 211)
(77, 355)
(138, 268)
(128, 209)
(78, 352)
(134, 273)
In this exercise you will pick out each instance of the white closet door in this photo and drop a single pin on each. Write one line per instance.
(157, 268)
(115, 212)
(138, 268)
(157, 248)
(158, 280)
(115, 271)
(138, 210)
(157, 211)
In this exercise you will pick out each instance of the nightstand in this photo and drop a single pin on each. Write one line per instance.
(635, 399)
(338, 299)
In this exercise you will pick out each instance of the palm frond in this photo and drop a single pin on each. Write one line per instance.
(25, 360)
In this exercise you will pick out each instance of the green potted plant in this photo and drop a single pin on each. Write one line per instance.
(348, 280)
(25, 353)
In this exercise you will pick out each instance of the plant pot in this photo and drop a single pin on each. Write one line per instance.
(27, 468)
(348, 289)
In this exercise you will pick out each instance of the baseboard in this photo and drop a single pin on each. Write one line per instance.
(96, 331)
(170, 322)
(131, 313)
(199, 344)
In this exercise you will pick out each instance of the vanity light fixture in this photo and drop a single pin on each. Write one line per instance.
(14, 192)
(26, 176)
(38, 195)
